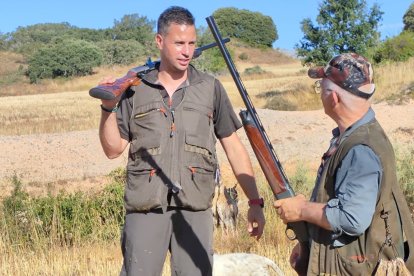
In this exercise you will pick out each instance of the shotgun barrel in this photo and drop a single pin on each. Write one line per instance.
(264, 151)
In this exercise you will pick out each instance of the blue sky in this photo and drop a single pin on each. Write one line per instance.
(286, 14)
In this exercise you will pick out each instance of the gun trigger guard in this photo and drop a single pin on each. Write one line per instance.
(290, 234)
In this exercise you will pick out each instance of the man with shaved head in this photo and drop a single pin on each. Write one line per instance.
(355, 214)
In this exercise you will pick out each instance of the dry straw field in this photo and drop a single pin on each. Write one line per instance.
(35, 122)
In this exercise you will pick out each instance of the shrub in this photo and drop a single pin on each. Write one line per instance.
(65, 219)
(301, 181)
(64, 58)
(243, 56)
(398, 48)
(405, 173)
(256, 70)
(210, 61)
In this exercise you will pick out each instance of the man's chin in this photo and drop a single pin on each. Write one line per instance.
(181, 67)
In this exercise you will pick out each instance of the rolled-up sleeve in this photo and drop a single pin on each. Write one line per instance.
(356, 188)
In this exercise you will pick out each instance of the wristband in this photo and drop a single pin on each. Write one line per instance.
(256, 201)
(113, 110)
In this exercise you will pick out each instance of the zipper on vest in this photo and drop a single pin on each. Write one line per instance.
(174, 186)
(172, 128)
(200, 170)
(193, 170)
(210, 118)
(143, 114)
(152, 173)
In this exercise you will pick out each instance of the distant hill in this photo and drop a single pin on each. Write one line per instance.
(13, 82)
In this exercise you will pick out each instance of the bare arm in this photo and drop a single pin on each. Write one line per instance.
(240, 163)
(112, 143)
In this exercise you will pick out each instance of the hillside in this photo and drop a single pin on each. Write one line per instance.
(13, 82)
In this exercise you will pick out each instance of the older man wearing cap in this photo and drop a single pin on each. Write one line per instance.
(353, 209)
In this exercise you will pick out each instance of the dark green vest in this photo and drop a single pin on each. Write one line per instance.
(360, 254)
(172, 148)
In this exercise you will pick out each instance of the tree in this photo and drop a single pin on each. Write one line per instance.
(408, 19)
(28, 39)
(210, 61)
(134, 27)
(253, 28)
(4, 38)
(343, 26)
(122, 51)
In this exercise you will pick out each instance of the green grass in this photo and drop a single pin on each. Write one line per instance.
(65, 219)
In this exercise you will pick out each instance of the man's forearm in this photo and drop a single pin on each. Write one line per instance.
(240, 163)
(314, 213)
(111, 141)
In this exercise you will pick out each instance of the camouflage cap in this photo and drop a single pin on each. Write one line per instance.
(350, 71)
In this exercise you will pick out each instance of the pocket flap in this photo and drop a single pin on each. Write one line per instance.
(197, 141)
(146, 146)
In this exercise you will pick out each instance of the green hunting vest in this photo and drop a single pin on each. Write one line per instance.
(360, 254)
(172, 158)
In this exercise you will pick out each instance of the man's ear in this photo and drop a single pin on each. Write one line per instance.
(335, 99)
(158, 40)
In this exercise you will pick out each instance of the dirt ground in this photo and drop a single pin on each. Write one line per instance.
(75, 161)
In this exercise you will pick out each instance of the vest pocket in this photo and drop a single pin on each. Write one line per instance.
(148, 121)
(144, 189)
(198, 186)
(145, 147)
(198, 123)
(351, 259)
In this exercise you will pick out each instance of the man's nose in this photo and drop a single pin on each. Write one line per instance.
(185, 50)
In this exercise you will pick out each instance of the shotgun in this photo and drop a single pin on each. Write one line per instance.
(109, 91)
(265, 154)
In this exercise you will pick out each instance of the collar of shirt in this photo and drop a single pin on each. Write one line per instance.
(193, 77)
(151, 79)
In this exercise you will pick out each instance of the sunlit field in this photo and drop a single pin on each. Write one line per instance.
(59, 106)
(280, 87)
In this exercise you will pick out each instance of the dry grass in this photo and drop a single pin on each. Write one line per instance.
(106, 259)
(45, 108)
(97, 259)
(258, 55)
(394, 79)
(48, 113)
(67, 111)
(10, 62)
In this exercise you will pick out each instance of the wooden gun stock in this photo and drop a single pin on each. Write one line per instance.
(265, 154)
(110, 91)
